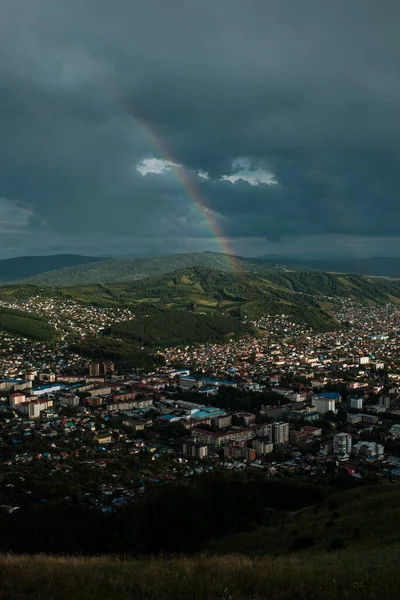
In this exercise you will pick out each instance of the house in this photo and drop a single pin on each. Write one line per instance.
(103, 438)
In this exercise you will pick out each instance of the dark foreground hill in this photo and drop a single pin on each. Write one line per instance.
(366, 574)
(344, 547)
(14, 269)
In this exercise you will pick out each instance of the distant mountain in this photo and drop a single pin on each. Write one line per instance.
(131, 269)
(378, 266)
(14, 269)
(75, 269)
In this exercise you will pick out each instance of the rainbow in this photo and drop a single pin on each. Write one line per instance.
(188, 185)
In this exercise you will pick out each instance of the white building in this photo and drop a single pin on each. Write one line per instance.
(323, 404)
(69, 400)
(262, 447)
(280, 433)
(31, 409)
(370, 450)
(356, 403)
(16, 399)
(342, 443)
(363, 360)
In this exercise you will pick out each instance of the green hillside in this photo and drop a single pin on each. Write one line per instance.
(301, 294)
(129, 343)
(131, 269)
(176, 327)
(26, 324)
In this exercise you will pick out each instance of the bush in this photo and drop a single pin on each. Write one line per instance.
(333, 505)
(303, 542)
(337, 544)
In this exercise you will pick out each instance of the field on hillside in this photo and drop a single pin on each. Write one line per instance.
(368, 574)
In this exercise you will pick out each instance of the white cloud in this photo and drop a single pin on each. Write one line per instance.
(156, 166)
(244, 171)
(203, 174)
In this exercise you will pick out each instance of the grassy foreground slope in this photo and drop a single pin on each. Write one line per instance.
(367, 574)
(352, 520)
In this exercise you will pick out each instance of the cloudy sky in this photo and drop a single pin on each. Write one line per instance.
(280, 116)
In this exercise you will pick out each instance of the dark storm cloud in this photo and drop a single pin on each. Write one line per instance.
(306, 90)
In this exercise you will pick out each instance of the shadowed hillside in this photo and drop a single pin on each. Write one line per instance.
(14, 269)
(26, 324)
(131, 269)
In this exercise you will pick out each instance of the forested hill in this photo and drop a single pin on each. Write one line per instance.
(14, 269)
(308, 296)
(27, 325)
(131, 269)
(177, 327)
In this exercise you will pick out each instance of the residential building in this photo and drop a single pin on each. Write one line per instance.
(94, 369)
(356, 403)
(342, 443)
(280, 433)
(222, 421)
(262, 446)
(194, 449)
(370, 450)
(298, 437)
(103, 438)
(325, 402)
(16, 399)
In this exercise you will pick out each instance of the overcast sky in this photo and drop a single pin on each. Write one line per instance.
(283, 115)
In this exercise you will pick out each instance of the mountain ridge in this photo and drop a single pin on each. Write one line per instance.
(131, 269)
(76, 269)
(22, 267)
(378, 266)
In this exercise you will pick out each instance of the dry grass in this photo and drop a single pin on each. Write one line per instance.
(369, 575)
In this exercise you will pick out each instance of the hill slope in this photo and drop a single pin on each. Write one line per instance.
(24, 324)
(362, 575)
(305, 295)
(14, 269)
(131, 269)
(352, 519)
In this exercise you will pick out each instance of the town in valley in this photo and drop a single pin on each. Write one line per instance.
(288, 401)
